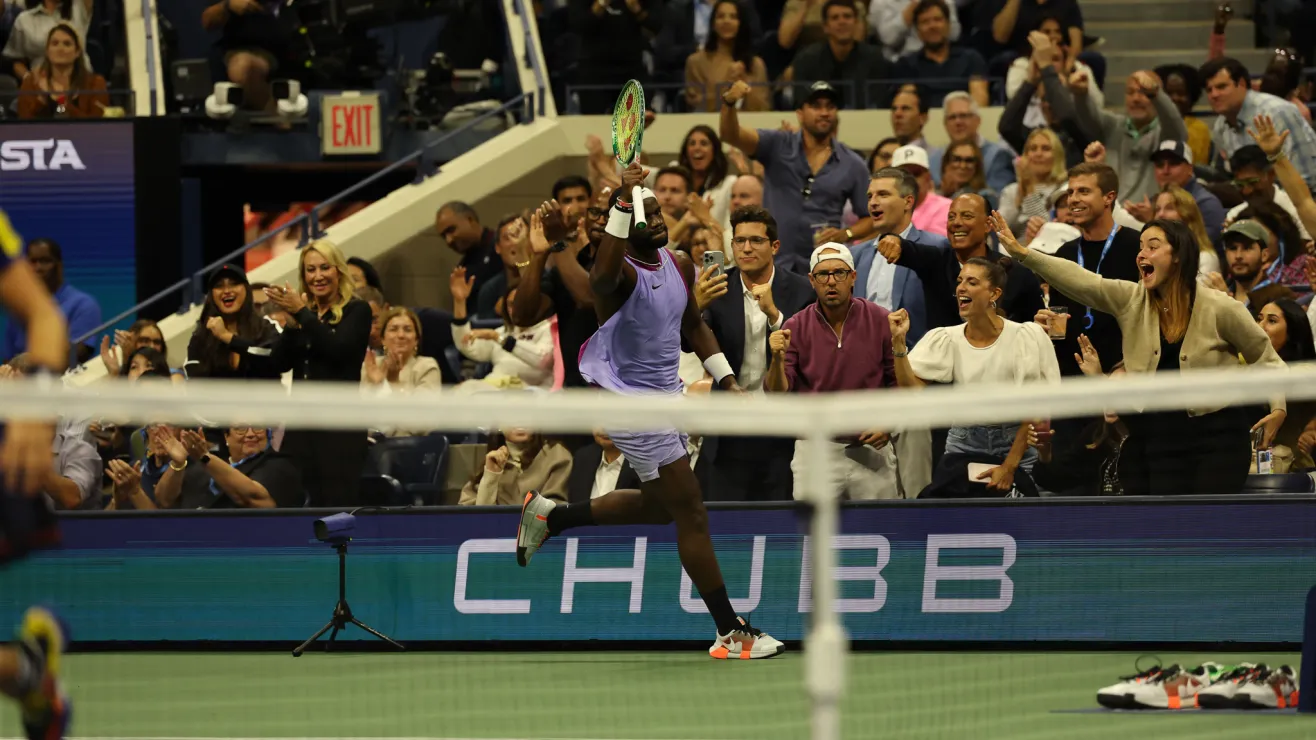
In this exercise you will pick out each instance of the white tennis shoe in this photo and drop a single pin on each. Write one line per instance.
(746, 643)
(532, 532)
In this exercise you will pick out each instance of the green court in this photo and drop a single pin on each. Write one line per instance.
(620, 695)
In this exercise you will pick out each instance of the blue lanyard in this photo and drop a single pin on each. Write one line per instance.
(1087, 317)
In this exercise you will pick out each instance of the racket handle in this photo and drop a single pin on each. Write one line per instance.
(637, 201)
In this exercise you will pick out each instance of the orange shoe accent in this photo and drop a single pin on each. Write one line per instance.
(1174, 701)
(720, 653)
(1279, 696)
(541, 517)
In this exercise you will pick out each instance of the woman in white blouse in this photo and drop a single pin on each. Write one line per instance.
(400, 369)
(986, 348)
(522, 357)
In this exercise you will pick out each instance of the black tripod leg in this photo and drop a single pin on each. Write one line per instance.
(302, 647)
(378, 634)
(329, 644)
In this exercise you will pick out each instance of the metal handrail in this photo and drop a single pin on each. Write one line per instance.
(309, 221)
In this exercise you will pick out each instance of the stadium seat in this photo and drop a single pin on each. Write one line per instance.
(1283, 483)
(402, 471)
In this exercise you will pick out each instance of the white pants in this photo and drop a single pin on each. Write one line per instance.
(858, 472)
(914, 454)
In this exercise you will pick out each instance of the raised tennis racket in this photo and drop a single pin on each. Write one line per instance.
(628, 135)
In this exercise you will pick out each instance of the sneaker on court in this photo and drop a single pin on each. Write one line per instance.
(1118, 695)
(1220, 695)
(532, 532)
(1169, 689)
(1273, 689)
(746, 643)
(46, 709)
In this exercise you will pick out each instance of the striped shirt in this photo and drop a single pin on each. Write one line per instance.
(1300, 147)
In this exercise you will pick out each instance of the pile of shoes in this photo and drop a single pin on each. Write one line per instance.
(1208, 686)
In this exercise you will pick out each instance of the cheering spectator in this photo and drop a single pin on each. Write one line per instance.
(63, 85)
(1169, 325)
(378, 306)
(513, 248)
(330, 337)
(1290, 334)
(1150, 118)
(400, 368)
(802, 196)
(81, 312)
(1176, 204)
(1231, 97)
(1174, 166)
(930, 208)
(803, 22)
(940, 269)
(75, 472)
(1185, 88)
(231, 339)
(891, 197)
(880, 157)
(1272, 144)
(1045, 87)
(142, 333)
(1245, 253)
(1104, 248)
(843, 58)
(985, 348)
(1010, 21)
(518, 461)
(688, 25)
(30, 35)
(255, 38)
(959, 112)
(1283, 262)
(1041, 173)
(894, 22)
(253, 477)
(747, 190)
(614, 35)
(1049, 50)
(1050, 236)
(808, 357)
(671, 186)
(742, 318)
(459, 225)
(962, 172)
(1254, 177)
(939, 68)
(599, 468)
(727, 56)
(522, 357)
(710, 176)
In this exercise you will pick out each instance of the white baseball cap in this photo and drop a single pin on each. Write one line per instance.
(910, 155)
(842, 253)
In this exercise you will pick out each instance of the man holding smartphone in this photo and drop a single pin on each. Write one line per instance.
(749, 468)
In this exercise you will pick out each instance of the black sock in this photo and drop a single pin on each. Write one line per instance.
(566, 517)
(724, 614)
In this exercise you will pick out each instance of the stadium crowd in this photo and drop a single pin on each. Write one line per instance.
(821, 269)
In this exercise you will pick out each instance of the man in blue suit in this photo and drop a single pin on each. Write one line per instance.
(891, 195)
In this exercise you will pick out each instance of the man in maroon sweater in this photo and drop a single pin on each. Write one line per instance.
(840, 343)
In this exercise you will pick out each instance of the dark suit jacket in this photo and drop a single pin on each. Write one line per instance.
(791, 293)
(584, 464)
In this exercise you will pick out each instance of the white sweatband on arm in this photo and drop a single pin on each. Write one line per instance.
(619, 223)
(718, 367)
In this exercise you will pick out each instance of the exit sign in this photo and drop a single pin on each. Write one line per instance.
(350, 123)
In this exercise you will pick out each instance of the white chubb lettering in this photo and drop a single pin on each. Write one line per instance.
(695, 605)
(634, 575)
(934, 572)
(484, 606)
(865, 573)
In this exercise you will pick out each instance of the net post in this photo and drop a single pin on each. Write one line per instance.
(1307, 677)
(825, 645)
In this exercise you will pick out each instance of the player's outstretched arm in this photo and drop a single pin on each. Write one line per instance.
(611, 279)
(24, 296)
(698, 334)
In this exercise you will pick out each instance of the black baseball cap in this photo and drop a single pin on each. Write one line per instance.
(227, 271)
(821, 89)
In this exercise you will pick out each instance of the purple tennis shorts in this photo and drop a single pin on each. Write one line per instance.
(648, 451)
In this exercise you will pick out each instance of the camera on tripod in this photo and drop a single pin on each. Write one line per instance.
(336, 531)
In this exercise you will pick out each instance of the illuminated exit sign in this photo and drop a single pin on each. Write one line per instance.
(350, 124)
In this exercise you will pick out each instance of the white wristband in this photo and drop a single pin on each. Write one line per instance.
(718, 367)
(619, 223)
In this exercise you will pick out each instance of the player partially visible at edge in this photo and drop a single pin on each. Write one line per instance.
(644, 304)
(29, 667)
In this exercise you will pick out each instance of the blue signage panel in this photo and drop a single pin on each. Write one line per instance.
(1032, 571)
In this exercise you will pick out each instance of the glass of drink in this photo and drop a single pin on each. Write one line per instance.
(1059, 322)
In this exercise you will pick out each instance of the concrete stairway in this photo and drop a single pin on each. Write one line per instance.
(1142, 34)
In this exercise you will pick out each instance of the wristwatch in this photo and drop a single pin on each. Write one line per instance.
(559, 246)
(205, 459)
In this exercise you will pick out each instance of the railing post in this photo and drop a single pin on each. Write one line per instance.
(308, 229)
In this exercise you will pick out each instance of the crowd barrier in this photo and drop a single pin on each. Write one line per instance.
(1082, 571)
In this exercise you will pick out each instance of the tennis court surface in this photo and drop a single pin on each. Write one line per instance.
(621, 696)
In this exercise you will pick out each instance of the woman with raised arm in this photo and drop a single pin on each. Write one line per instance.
(1202, 450)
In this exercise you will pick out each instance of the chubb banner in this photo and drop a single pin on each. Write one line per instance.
(1008, 571)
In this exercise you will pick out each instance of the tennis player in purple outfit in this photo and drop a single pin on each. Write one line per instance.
(644, 305)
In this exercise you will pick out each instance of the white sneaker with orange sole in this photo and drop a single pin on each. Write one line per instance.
(746, 643)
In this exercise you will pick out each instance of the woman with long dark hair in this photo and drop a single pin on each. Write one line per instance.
(710, 175)
(727, 56)
(327, 343)
(231, 339)
(1285, 322)
(63, 85)
(1201, 450)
